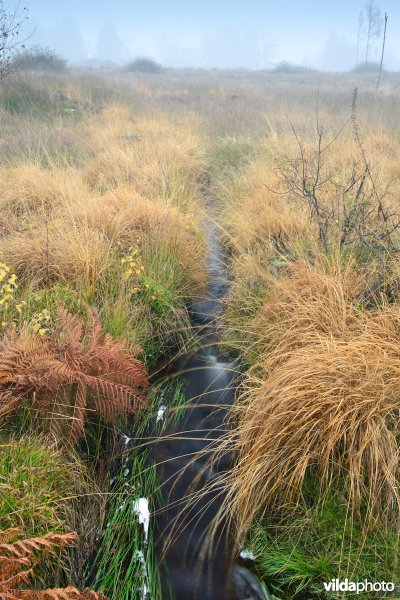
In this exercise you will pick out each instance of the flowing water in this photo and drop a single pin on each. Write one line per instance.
(182, 453)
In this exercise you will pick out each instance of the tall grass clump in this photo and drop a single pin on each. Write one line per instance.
(312, 228)
(322, 400)
(49, 210)
(320, 404)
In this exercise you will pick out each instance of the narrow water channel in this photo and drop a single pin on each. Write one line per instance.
(183, 458)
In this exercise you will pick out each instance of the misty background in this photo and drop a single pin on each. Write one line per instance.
(252, 34)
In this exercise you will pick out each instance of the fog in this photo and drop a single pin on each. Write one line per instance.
(251, 34)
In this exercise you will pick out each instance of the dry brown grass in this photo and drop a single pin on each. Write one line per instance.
(317, 327)
(307, 301)
(323, 399)
(153, 155)
(29, 188)
(58, 250)
(79, 241)
(130, 215)
(54, 227)
(252, 195)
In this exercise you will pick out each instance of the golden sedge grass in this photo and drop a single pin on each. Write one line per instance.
(322, 399)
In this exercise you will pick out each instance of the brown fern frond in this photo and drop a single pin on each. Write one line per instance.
(17, 561)
(111, 399)
(69, 593)
(70, 331)
(7, 595)
(19, 578)
(56, 372)
(8, 535)
(79, 414)
(12, 572)
(9, 565)
(117, 362)
(95, 335)
(50, 542)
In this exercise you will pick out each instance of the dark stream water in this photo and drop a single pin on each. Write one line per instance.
(183, 457)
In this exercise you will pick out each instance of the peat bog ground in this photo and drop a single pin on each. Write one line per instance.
(200, 324)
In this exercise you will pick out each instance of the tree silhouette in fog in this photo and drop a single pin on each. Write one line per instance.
(369, 25)
(109, 45)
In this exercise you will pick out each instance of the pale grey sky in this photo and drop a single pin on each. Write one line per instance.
(251, 33)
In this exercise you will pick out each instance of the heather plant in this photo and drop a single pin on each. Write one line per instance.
(143, 64)
(38, 58)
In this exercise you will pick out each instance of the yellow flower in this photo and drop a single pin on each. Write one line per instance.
(42, 331)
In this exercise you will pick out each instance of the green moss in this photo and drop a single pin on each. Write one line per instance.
(35, 483)
(299, 550)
